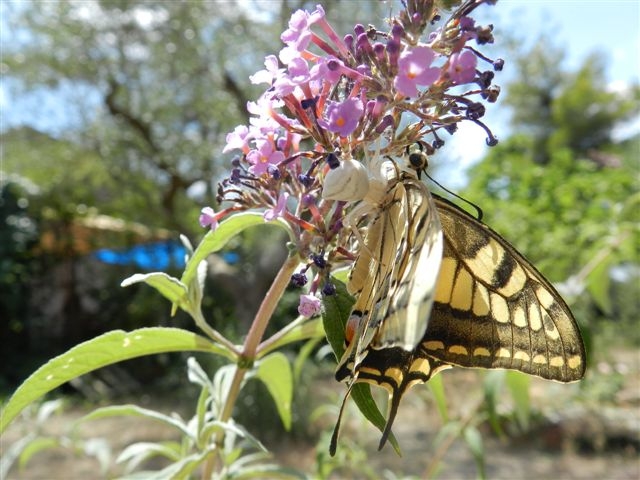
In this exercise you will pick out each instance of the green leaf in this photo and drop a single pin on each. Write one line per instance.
(302, 357)
(47, 409)
(36, 445)
(197, 375)
(341, 274)
(137, 453)
(273, 472)
(171, 288)
(473, 440)
(109, 348)
(311, 328)
(201, 413)
(212, 427)
(492, 386)
(99, 449)
(336, 311)
(518, 384)
(13, 451)
(361, 395)
(215, 240)
(176, 471)
(136, 411)
(335, 314)
(275, 372)
(598, 285)
(436, 386)
(449, 430)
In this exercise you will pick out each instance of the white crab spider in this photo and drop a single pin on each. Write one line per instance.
(349, 182)
(353, 181)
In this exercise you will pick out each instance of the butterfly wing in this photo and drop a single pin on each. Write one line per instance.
(493, 309)
(394, 275)
(371, 275)
(397, 370)
(411, 291)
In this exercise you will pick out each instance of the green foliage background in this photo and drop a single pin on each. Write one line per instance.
(150, 102)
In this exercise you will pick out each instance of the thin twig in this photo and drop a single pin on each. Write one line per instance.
(258, 327)
(446, 444)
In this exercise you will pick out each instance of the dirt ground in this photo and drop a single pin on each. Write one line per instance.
(595, 435)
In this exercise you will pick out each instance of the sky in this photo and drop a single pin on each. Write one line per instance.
(582, 26)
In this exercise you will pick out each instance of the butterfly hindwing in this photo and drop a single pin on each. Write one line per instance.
(397, 370)
(493, 309)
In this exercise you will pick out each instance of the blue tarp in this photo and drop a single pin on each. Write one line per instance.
(150, 256)
(153, 256)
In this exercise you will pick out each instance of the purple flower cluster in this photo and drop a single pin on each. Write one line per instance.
(330, 98)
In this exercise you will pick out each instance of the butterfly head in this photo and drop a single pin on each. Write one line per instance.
(417, 157)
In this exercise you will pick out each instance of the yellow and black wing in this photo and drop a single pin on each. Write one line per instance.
(493, 309)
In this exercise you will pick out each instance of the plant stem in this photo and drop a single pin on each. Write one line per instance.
(212, 333)
(255, 334)
(446, 444)
(268, 306)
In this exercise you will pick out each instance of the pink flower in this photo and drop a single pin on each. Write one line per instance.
(414, 70)
(237, 139)
(208, 218)
(270, 73)
(298, 34)
(263, 156)
(462, 67)
(309, 306)
(278, 210)
(343, 117)
(262, 111)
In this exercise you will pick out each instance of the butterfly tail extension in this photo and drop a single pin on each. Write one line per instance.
(397, 370)
(333, 445)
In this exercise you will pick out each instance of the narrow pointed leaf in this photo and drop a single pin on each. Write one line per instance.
(215, 240)
(275, 372)
(135, 411)
(473, 439)
(337, 308)
(436, 386)
(107, 349)
(311, 328)
(171, 288)
(518, 384)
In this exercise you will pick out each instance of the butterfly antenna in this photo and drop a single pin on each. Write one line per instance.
(479, 212)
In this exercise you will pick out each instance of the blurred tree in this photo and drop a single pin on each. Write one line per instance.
(561, 109)
(153, 89)
(562, 189)
(18, 234)
(133, 101)
(159, 87)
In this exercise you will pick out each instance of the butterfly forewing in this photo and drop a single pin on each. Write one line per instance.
(394, 275)
(493, 309)
(411, 292)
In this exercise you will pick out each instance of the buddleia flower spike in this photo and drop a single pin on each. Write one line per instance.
(334, 149)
